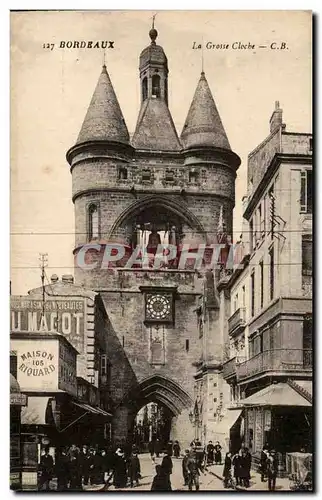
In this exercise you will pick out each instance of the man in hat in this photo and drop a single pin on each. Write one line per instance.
(272, 469)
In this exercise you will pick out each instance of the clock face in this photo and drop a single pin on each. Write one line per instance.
(158, 307)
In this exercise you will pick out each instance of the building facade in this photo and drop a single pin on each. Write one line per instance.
(269, 362)
(140, 192)
(58, 354)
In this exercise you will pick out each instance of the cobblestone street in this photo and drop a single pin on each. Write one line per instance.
(207, 482)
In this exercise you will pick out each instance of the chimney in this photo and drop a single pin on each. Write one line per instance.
(54, 278)
(67, 279)
(276, 118)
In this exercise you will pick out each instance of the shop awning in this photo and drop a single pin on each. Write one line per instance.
(229, 419)
(92, 409)
(281, 394)
(36, 412)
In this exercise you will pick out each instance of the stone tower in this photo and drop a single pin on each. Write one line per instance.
(153, 189)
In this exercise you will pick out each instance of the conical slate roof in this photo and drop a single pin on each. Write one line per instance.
(104, 119)
(155, 129)
(203, 126)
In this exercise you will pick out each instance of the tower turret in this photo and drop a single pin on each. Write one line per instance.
(155, 129)
(98, 161)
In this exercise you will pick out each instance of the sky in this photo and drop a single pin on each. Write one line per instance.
(51, 90)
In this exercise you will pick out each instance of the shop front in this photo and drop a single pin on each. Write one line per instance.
(17, 401)
(280, 418)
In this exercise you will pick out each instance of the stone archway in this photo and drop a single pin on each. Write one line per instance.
(179, 210)
(164, 391)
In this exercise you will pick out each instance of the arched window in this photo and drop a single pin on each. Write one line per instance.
(93, 229)
(144, 88)
(156, 86)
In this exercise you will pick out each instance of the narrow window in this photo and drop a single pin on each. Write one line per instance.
(187, 345)
(253, 293)
(122, 174)
(311, 144)
(261, 266)
(251, 234)
(156, 86)
(123, 341)
(271, 272)
(146, 175)
(166, 90)
(271, 209)
(144, 88)
(193, 177)
(306, 256)
(92, 222)
(306, 191)
(103, 365)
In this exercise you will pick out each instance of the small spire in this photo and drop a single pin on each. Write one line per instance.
(153, 32)
(202, 61)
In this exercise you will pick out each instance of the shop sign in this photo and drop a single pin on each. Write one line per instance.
(66, 317)
(18, 399)
(37, 363)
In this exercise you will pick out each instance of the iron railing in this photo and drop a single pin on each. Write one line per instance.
(237, 319)
(283, 360)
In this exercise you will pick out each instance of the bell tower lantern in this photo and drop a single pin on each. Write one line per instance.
(154, 70)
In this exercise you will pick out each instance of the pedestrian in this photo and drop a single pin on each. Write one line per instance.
(166, 463)
(237, 467)
(176, 449)
(227, 475)
(62, 470)
(161, 481)
(193, 468)
(46, 467)
(272, 469)
(200, 455)
(217, 449)
(151, 449)
(247, 462)
(75, 468)
(93, 465)
(120, 472)
(263, 464)
(102, 467)
(169, 449)
(185, 470)
(84, 462)
(157, 448)
(134, 469)
(210, 453)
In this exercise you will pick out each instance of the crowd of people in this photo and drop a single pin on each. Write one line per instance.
(76, 468)
(237, 468)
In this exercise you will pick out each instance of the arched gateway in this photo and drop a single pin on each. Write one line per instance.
(152, 189)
